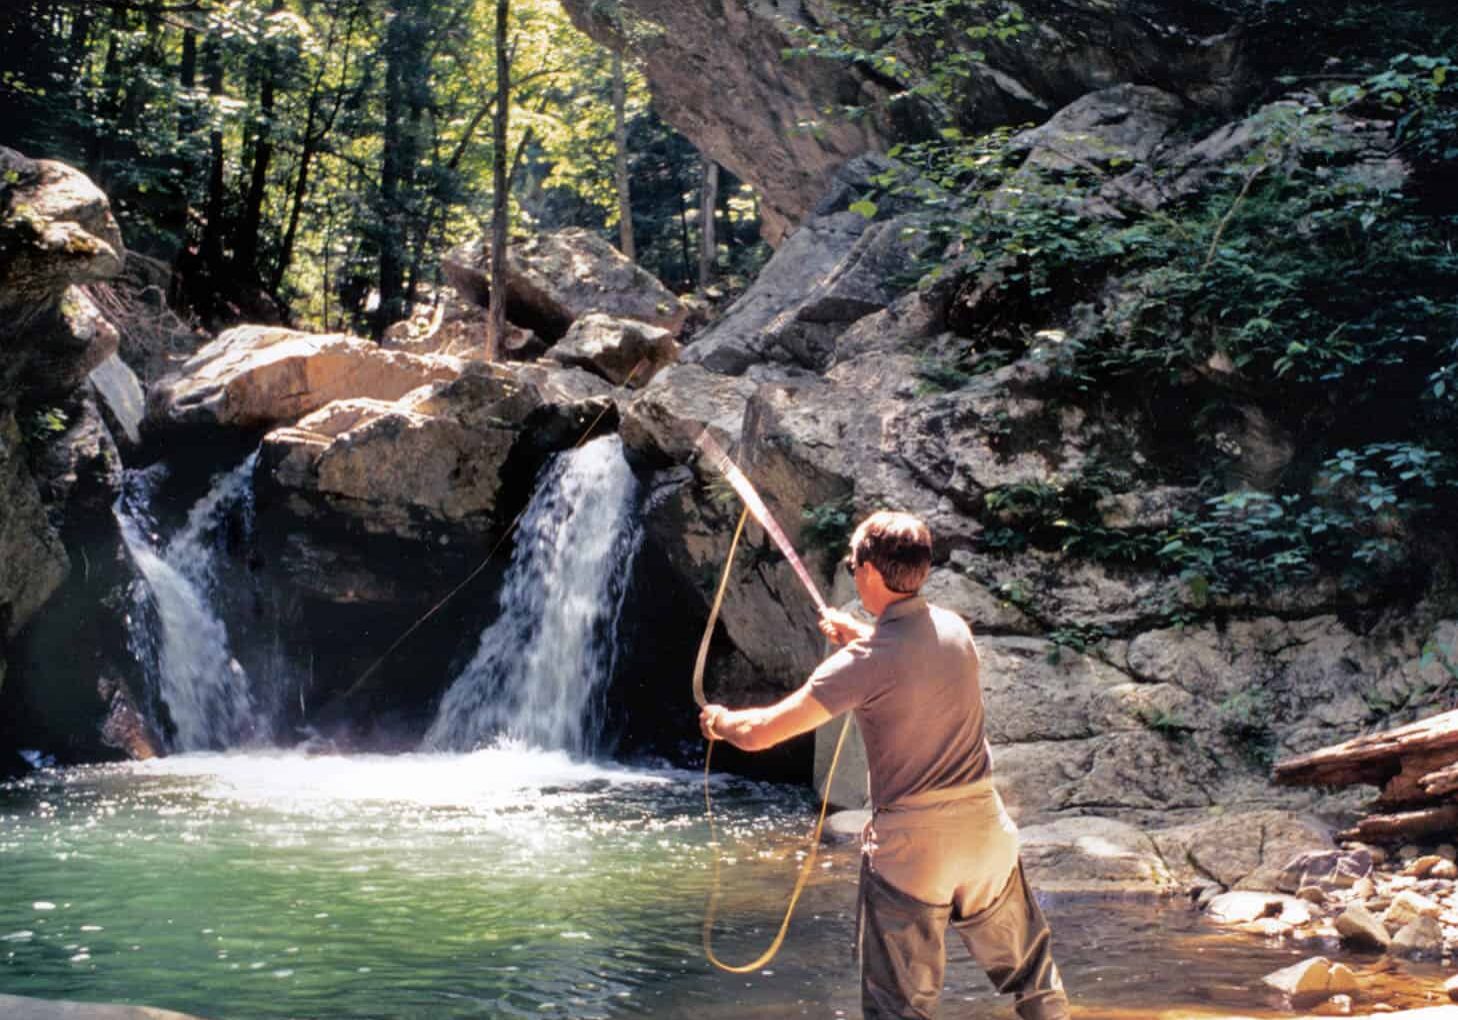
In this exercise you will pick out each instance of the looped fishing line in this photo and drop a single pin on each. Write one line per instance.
(711, 907)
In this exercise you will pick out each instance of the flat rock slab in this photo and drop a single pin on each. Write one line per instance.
(15, 1007)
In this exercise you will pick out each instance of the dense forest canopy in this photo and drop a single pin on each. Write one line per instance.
(310, 160)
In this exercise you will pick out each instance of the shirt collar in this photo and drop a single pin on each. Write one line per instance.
(904, 607)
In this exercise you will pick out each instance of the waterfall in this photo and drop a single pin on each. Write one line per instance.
(539, 670)
(175, 632)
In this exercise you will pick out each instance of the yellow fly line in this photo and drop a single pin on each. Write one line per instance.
(711, 907)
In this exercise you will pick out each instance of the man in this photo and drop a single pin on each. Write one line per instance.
(940, 849)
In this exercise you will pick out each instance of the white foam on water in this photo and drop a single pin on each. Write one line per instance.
(481, 780)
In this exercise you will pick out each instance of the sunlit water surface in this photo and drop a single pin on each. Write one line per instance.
(502, 883)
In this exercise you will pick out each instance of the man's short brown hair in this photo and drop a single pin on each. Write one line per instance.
(898, 545)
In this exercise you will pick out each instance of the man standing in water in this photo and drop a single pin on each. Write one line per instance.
(940, 850)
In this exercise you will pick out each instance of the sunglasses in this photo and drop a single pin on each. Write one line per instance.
(850, 567)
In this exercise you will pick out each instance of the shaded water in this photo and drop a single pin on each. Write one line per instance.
(501, 883)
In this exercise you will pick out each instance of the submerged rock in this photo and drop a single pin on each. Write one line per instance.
(16, 1007)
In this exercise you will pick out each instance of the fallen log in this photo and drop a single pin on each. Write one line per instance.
(1399, 758)
(1405, 825)
(1442, 782)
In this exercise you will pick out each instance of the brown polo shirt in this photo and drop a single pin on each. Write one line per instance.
(914, 687)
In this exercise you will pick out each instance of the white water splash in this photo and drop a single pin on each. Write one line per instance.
(538, 672)
(205, 689)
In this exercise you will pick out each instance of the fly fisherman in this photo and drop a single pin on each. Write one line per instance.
(940, 848)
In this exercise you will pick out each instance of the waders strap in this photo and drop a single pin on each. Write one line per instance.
(711, 907)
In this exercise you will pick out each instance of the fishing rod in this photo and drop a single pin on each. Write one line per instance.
(753, 506)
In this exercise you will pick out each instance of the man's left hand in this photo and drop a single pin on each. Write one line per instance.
(709, 718)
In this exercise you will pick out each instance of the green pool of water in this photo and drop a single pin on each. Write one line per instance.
(503, 883)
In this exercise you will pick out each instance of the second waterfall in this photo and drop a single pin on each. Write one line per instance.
(539, 672)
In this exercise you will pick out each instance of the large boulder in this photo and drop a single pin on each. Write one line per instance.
(1093, 855)
(32, 560)
(837, 268)
(622, 351)
(56, 232)
(252, 377)
(554, 279)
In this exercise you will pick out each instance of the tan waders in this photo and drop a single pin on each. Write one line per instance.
(950, 859)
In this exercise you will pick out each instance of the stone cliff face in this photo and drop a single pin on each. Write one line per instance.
(719, 75)
(58, 464)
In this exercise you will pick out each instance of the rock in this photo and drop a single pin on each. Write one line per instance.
(845, 827)
(1092, 854)
(1447, 851)
(1311, 981)
(56, 229)
(662, 423)
(33, 561)
(718, 73)
(1420, 937)
(457, 327)
(1360, 930)
(438, 454)
(619, 350)
(1311, 894)
(125, 727)
(1247, 849)
(1407, 906)
(19, 1008)
(122, 399)
(554, 279)
(808, 293)
(1444, 869)
(1451, 987)
(1326, 869)
(1242, 906)
(1419, 867)
(985, 612)
(257, 376)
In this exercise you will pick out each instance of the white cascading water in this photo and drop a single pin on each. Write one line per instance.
(537, 676)
(204, 688)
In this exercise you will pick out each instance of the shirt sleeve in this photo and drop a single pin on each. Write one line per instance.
(847, 679)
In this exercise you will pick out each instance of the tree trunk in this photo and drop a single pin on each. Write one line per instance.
(708, 205)
(252, 219)
(620, 146)
(394, 159)
(212, 239)
(187, 78)
(500, 204)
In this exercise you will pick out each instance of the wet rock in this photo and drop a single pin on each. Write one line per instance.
(556, 278)
(845, 827)
(1243, 906)
(1359, 929)
(619, 350)
(1092, 854)
(1422, 937)
(125, 727)
(258, 376)
(1312, 981)
(1247, 849)
(19, 1008)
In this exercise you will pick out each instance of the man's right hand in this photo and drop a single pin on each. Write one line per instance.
(842, 627)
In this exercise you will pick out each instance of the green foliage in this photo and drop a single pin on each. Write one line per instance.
(828, 526)
(1245, 720)
(1079, 638)
(1170, 725)
(43, 423)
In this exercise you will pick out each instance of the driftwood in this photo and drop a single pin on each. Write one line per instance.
(1414, 764)
(1406, 825)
